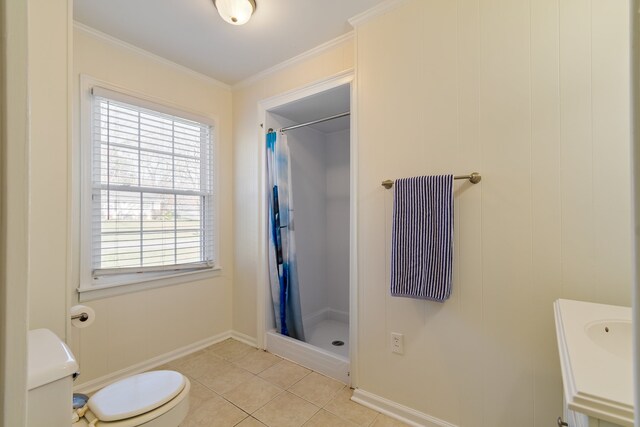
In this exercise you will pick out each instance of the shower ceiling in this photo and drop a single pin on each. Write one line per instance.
(321, 105)
(191, 33)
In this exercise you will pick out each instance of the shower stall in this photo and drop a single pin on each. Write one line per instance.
(309, 202)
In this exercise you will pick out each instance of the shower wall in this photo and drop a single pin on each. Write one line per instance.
(308, 180)
(337, 214)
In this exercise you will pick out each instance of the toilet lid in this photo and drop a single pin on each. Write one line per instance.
(136, 395)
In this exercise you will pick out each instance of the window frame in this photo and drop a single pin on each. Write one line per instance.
(118, 284)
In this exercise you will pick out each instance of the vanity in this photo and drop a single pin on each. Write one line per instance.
(595, 347)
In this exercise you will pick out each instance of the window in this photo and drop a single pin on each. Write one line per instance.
(151, 207)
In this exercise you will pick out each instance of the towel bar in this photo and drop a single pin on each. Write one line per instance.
(474, 178)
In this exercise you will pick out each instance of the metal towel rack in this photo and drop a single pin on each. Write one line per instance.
(473, 177)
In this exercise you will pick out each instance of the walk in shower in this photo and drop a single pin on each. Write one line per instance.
(308, 193)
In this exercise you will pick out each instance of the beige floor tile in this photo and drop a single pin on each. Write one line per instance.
(226, 380)
(286, 410)
(230, 349)
(256, 361)
(250, 422)
(385, 421)
(197, 365)
(199, 394)
(174, 363)
(316, 388)
(342, 406)
(214, 366)
(284, 374)
(224, 369)
(212, 411)
(324, 419)
(253, 394)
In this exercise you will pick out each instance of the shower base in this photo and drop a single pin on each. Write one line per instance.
(313, 357)
(326, 332)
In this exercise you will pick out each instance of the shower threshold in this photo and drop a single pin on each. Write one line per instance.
(309, 356)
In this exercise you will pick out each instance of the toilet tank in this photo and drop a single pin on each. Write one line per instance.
(50, 370)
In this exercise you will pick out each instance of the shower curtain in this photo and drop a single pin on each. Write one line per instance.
(283, 272)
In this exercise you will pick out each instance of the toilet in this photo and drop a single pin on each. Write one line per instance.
(151, 399)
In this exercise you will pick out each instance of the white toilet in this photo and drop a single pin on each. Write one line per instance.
(151, 399)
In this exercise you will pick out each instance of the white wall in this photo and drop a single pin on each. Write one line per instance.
(337, 218)
(49, 68)
(534, 95)
(35, 126)
(134, 328)
(247, 136)
(15, 128)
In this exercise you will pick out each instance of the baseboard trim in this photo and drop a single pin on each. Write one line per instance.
(248, 340)
(397, 411)
(98, 383)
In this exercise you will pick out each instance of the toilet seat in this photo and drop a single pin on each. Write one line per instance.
(157, 398)
(136, 395)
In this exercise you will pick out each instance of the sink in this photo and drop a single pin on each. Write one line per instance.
(613, 336)
(595, 347)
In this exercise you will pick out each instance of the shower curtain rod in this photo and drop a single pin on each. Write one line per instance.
(337, 116)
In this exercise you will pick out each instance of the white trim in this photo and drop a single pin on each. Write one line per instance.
(374, 12)
(87, 82)
(339, 79)
(98, 383)
(149, 281)
(264, 297)
(164, 61)
(82, 150)
(354, 289)
(397, 411)
(295, 60)
(72, 211)
(126, 96)
(244, 338)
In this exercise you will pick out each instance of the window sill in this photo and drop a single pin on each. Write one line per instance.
(94, 292)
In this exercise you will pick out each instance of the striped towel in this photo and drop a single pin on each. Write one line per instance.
(422, 238)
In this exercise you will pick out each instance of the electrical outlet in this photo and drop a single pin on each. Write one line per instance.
(397, 343)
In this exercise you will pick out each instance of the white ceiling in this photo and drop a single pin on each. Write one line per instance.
(191, 33)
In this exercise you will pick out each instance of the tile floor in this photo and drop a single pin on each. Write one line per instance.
(233, 384)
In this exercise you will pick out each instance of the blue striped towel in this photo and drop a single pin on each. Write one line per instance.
(422, 238)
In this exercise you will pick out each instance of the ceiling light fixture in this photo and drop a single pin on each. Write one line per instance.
(236, 12)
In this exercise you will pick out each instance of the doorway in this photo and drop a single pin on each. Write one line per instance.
(315, 124)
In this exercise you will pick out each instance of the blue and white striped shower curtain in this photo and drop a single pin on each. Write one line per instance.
(283, 270)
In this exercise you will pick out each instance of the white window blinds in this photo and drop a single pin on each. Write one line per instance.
(152, 189)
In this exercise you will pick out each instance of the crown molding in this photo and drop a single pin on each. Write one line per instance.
(120, 43)
(295, 60)
(375, 11)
